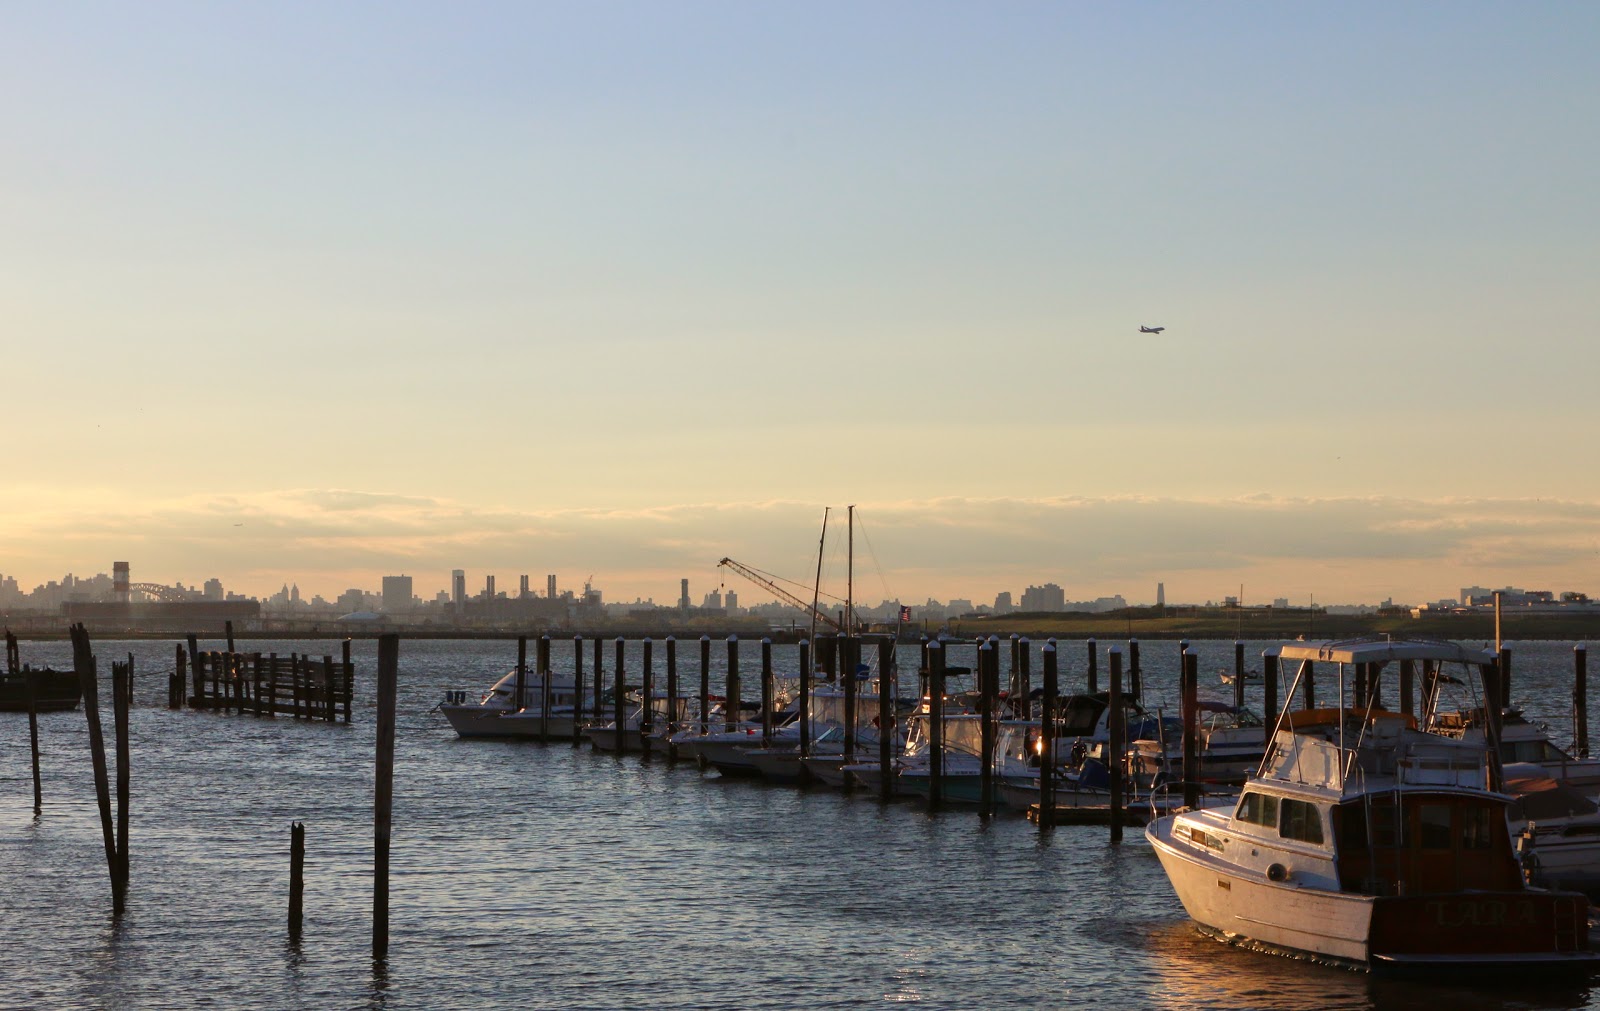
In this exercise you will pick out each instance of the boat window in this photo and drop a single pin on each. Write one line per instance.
(1350, 827)
(1433, 821)
(1300, 821)
(1258, 809)
(1476, 825)
(1387, 830)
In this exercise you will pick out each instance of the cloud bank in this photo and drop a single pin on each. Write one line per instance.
(327, 540)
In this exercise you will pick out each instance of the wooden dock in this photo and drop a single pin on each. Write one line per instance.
(264, 684)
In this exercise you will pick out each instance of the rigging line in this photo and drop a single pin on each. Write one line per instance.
(792, 582)
(873, 554)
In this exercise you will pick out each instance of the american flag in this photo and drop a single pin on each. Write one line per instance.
(905, 613)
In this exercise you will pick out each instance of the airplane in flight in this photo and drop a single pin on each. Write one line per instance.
(1151, 329)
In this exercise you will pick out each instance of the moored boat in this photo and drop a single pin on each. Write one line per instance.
(501, 714)
(53, 690)
(1365, 840)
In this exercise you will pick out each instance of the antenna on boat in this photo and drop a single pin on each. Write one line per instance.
(816, 591)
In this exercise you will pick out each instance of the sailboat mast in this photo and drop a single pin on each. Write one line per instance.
(850, 578)
(816, 589)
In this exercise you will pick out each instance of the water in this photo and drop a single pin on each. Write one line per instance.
(551, 877)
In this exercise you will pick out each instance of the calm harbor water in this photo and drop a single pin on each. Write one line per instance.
(551, 877)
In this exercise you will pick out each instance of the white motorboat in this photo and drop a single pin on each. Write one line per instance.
(500, 714)
(1365, 840)
(1230, 741)
(664, 715)
(1522, 742)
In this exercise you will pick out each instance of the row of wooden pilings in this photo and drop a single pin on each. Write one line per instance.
(262, 684)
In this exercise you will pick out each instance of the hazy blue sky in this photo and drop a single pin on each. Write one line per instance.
(620, 288)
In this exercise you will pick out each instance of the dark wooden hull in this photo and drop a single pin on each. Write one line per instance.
(54, 691)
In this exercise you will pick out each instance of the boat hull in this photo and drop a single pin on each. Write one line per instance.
(1482, 929)
(487, 721)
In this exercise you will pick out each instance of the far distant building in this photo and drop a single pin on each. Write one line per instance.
(1161, 594)
(731, 601)
(523, 591)
(683, 595)
(488, 587)
(1002, 602)
(712, 601)
(550, 586)
(1048, 597)
(396, 593)
(213, 590)
(458, 589)
(1280, 601)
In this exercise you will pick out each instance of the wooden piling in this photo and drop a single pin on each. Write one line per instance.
(647, 690)
(1014, 687)
(1580, 701)
(1238, 673)
(197, 671)
(577, 688)
(599, 678)
(83, 662)
(849, 653)
(348, 678)
(1308, 671)
(805, 699)
(541, 666)
(988, 678)
(1092, 677)
(935, 725)
(1191, 713)
(828, 657)
(1115, 747)
(705, 685)
(383, 789)
(227, 631)
(1359, 697)
(31, 686)
(672, 698)
(121, 705)
(1269, 688)
(297, 865)
(1047, 733)
(886, 732)
(1505, 677)
(1135, 672)
(519, 689)
(766, 692)
(1023, 707)
(175, 680)
(1408, 676)
(732, 705)
(619, 692)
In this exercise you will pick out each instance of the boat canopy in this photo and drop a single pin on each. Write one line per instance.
(1382, 650)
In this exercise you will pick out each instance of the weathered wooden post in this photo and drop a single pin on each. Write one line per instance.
(1024, 707)
(31, 686)
(297, 864)
(849, 651)
(1135, 672)
(734, 711)
(1359, 697)
(83, 662)
(935, 725)
(599, 678)
(227, 631)
(348, 688)
(330, 680)
(197, 672)
(1047, 735)
(1408, 676)
(766, 692)
(705, 685)
(1269, 688)
(1492, 692)
(1308, 674)
(647, 689)
(175, 680)
(519, 691)
(383, 789)
(577, 689)
(541, 667)
(121, 703)
(1580, 701)
(1115, 746)
(1014, 681)
(1191, 713)
(805, 701)
(828, 656)
(1238, 672)
(988, 685)
(1092, 677)
(1505, 677)
(672, 698)
(886, 731)
(619, 691)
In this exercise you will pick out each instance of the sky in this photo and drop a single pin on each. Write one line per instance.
(315, 293)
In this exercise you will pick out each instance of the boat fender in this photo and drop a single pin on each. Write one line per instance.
(1277, 872)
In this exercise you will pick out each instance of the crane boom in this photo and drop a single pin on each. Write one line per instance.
(779, 592)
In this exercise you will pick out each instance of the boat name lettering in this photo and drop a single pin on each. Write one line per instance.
(1482, 913)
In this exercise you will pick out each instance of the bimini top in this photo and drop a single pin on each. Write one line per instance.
(1380, 649)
